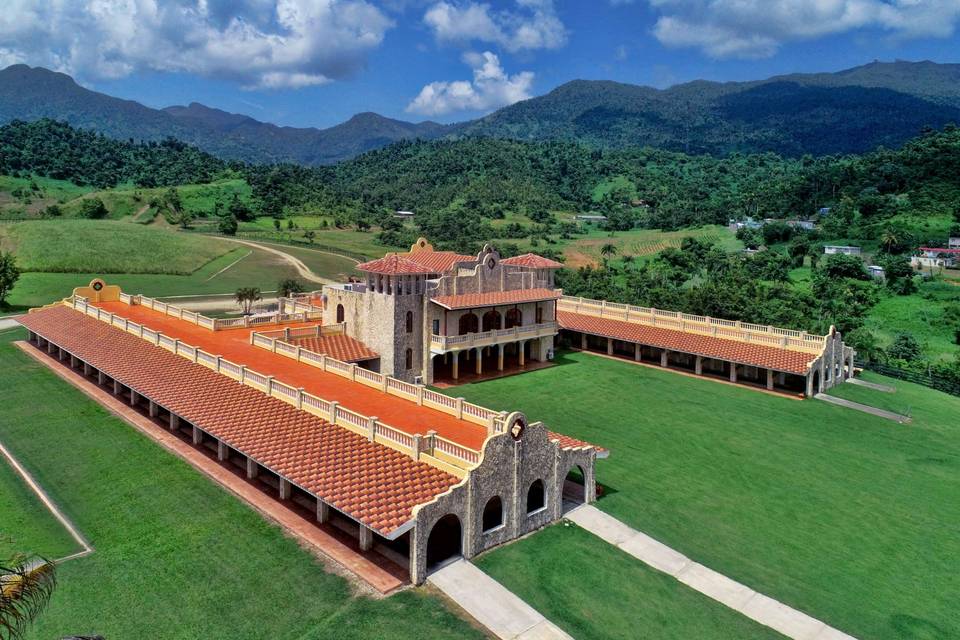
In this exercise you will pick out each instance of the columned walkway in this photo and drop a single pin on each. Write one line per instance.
(493, 605)
(756, 606)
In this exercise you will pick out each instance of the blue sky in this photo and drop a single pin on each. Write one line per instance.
(317, 62)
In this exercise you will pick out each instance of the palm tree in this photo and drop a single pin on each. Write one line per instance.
(25, 589)
(889, 239)
(607, 251)
(246, 296)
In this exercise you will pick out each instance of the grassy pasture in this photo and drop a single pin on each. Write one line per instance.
(840, 514)
(27, 197)
(640, 243)
(176, 556)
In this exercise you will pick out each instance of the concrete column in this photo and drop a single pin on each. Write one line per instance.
(500, 357)
(134, 398)
(637, 352)
(609, 346)
(197, 435)
(698, 365)
(479, 362)
(456, 365)
(50, 347)
(174, 421)
(101, 377)
(522, 353)
(87, 369)
(366, 538)
(73, 361)
(663, 357)
(223, 451)
(116, 387)
(286, 489)
(810, 391)
(850, 365)
(323, 511)
(583, 341)
(61, 353)
(823, 375)
(154, 409)
(252, 468)
(733, 372)
(770, 379)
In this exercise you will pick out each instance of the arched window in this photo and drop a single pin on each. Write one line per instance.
(491, 320)
(409, 321)
(492, 514)
(514, 319)
(469, 323)
(536, 497)
(408, 359)
(341, 314)
(539, 315)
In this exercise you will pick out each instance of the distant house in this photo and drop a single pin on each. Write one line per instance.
(831, 249)
(590, 217)
(877, 272)
(954, 243)
(823, 211)
(801, 224)
(746, 223)
(946, 258)
(400, 213)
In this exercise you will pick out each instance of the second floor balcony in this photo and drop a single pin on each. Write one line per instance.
(443, 344)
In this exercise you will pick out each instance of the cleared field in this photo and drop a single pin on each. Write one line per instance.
(931, 315)
(840, 514)
(103, 246)
(361, 243)
(640, 243)
(26, 526)
(177, 557)
(598, 592)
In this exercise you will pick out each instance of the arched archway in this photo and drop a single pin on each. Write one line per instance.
(514, 318)
(536, 497)
(491, 320)
(492, 514)
(469, 323)
(816, 382)
(574, 487)
(409, 322)
(341, 313)
(445, 540)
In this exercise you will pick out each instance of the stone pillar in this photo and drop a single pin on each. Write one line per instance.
(698, 365)
(87, 369)
(850, 365)
(286, 489)
(323, 511)
(116, 387)
(101, 378)
(253, 469)
(134, 398)
(197, 435)
(479, 361)
(522, 354)
(609, 346)
(154, 409)
(223, 451)
(770, 379)
(637, 352)
(583, 341)
(823, 374)
(50, 347)
(663, 357)
(500, 357)
(366, 538)
(733, 372)
(73, 361)
(810, 391)
(174, 421)
(456, 365)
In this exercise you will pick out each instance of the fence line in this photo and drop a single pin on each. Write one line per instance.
(930, 380)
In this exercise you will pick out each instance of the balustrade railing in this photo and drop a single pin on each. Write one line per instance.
(495, 336)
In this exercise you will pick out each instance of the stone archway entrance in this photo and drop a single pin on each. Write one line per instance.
(445, 541)
(574, 488)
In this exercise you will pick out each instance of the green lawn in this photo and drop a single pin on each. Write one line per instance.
(355, 243)
(931, 315)
(26, 526)
(176, 556)
(595, 591)
(843, 515)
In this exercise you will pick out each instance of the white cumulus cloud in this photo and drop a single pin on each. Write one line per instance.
(491, 88)
(757, 28)
(532, 24)
(259, 43)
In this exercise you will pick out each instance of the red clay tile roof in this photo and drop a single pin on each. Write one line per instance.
(757, 355)
(343, 348)
(533, 261)
(470, 300)
(393, 265)
(373, 484)
(438, 261)
(566, 442)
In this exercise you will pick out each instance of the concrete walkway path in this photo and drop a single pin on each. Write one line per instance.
(9, 323)
(756, 606)
(880, 413)
(492, 605)
(872, 385)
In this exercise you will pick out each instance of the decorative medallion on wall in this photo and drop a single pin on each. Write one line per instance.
(97, 285)
(516, 425)
(491, 262)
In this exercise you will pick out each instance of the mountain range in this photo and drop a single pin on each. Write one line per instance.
(851, 111)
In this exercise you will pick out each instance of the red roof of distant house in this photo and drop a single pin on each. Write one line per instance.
(370, 482)
(438, 261)
(939, 250)
(470, 300)
(343, 347)
(532, 261)
(393, 265)
(758, 355)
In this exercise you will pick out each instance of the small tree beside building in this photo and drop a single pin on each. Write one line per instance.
(9, 274)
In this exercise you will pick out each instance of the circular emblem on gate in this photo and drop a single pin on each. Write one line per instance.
(97, 284)
(517, 429)
(516, 425)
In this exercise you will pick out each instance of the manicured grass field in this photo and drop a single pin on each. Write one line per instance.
(26, 526)
(846, 516)
(594, 591)
(176, 556)
(104, 246)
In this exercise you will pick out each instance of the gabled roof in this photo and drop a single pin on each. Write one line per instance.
(342, 347)
(940, 249)
(370, 482)
(532, 261)
(438, 261)
(493, 298)
(393, 265)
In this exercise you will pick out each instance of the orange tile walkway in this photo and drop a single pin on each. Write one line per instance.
(234, 345)
(380, 573)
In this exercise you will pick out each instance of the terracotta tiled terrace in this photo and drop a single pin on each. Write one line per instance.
(234, 345)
